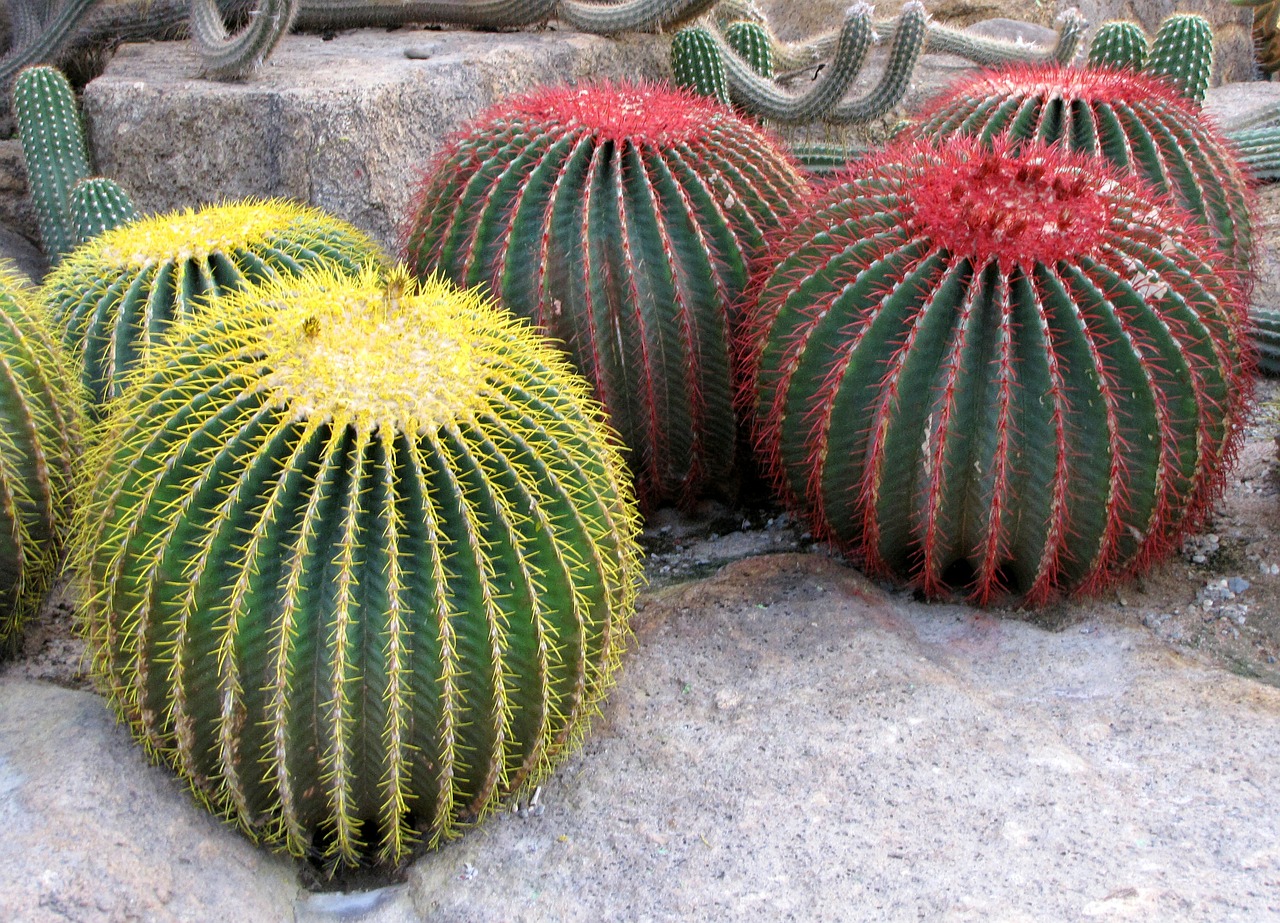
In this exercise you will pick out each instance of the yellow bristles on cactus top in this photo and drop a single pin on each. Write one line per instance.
(359, 556)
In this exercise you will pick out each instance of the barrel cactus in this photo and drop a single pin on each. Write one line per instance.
(996, 371)
(1134, 120)
(115, 297)
(39, 413)
(621, 219)
(358, 558)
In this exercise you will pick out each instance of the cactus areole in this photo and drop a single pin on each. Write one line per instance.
(1000, 373)
(359, 557)
(1138, 122)
(621, 219)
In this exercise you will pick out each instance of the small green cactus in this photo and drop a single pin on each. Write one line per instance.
(54, 149)
(39, 441)
(97, 205)
(1182, 53)
(358, 559)
(696, 64)
(1119, 44)
(751, 41)
(116, 296)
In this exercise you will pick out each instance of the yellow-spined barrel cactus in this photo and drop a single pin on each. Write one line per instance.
(358, 559)
(117, 294)
(621, 219)
(1003, 372)
(39, 435)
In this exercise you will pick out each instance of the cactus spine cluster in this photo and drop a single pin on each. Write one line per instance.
(116, 296)
(621, 219)
(359, 557)
(994, 371)
(1133, 120)
(38, 443)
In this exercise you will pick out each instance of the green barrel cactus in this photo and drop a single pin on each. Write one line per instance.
(621, 219)
(358, 558)
(1119, 44)
(1182, 53)
(54, 149)
(39, 441)
(1001, 372)
(1133, 120)
(117, 295)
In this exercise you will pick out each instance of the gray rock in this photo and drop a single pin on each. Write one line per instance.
(346, 125)
(788, 742)
(1239, 105)
(94, 833)
(22, 255)
(16, 210)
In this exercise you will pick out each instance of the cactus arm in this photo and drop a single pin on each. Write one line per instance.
(908, 43)
(54, 149)
(1119, 43)
(26, 22)
(1259, 151)
(1182, 53)
(763, 98)
(45, 46)
(988, 51)
(1265, 333)
(227, 57)
(630, 15)
(99, 204)
(492, 14)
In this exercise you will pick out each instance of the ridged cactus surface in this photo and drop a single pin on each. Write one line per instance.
(1182, 53)
(1007, 374)
(39, 440)
(116, 296)
(1119, 44)
(1134, 120)
(696, 64)
(97, 205)
(621, 219)
(358, 558)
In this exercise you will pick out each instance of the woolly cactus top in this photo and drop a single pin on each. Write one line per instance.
(192, 234)
(642, 113)
(1037, 207)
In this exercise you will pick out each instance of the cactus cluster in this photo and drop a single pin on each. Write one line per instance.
(116, 296)
(621, 219)
(358, 558)
(1181, 54)
(996, 369)
(39, 441)
(1133, 120)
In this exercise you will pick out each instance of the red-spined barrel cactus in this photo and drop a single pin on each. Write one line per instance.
(358, 559)
(1136, 121)
(621, 219)
(39, 442)
(1000, 373)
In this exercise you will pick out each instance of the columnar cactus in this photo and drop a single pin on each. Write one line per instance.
(994, 371)
(1136, 121)
(358, 559)
(696, 64)
(752, 42)
(620, 219)
(97, 205)
(38, 443)
(1119, 44)
(54, 150)
(1182, 53)
(116, 296)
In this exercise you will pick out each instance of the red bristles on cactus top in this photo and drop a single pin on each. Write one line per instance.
(1005, 372)
(642, 114)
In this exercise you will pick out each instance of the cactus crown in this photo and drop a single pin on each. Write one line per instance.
(622, 113)
(197, 235)
(988, 203)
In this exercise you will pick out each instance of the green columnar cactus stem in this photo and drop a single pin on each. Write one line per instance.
(696, 64)
(55, 34)
(54, 149)
(998, 371)
(39, 440)
(1138, 122)
(228, 57)
(26, 21)
(823, 159)
(115, 297)
(908, 43)
(97, 205)
(622, 220)
(1182, 53)
(358, 558)
(490, 14)
(1259, 151)
(766, 99)
(752, 43)
(1265, 332)
(1119, 44)
(997, 52)
(630, 15)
